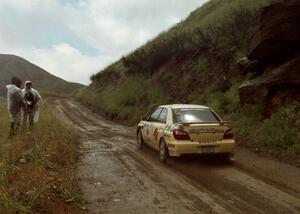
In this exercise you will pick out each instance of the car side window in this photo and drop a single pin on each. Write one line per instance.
(163, 116)
(154, 116)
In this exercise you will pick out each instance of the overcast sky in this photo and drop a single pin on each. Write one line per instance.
(74, 39)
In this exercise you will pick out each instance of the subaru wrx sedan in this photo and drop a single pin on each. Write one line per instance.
(179, 129)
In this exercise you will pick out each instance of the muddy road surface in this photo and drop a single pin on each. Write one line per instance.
(116, 177)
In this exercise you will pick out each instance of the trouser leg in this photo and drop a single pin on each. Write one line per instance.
(14, 124)
(31, 119)
(25, 118)
(18, 121)
(11, 130)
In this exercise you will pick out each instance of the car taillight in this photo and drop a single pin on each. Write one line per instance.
(180, 135)
(228, 134)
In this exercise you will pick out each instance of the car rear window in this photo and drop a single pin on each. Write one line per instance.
(194, 116)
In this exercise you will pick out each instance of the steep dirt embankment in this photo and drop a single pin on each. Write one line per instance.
(275, 44)
(196, 62)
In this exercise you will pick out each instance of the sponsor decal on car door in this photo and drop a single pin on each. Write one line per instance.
(146, 131)
(157, 128)
(152, 124)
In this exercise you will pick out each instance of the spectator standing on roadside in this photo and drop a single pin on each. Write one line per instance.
(32, 98)
(15, 102)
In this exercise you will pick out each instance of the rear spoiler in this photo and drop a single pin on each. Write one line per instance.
(222, 123)
(225, 123)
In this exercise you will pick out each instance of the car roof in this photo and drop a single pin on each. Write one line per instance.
(180, 106)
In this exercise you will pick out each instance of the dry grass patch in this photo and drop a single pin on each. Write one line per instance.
(38, 168)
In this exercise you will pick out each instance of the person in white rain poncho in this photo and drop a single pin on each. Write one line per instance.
(15, 102)
(32, 98)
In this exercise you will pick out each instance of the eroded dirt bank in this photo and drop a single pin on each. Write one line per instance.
(115, 177)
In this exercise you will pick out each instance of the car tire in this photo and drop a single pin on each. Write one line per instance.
(139, 140)
(163, 151)
(226, 157)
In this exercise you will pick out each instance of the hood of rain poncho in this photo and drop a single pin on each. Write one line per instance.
(28, 82)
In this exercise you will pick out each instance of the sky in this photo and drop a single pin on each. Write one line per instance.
(74, 39)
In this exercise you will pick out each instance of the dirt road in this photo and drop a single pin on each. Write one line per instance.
(118, 178)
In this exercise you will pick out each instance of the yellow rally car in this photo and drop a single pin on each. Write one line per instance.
(180, 129)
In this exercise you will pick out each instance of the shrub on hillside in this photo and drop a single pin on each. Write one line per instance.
(282, 129)
(155, 53)
(246, 120)
(224, 103)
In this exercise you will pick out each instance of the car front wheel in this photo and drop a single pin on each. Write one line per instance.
(139, 140)
(163, 151)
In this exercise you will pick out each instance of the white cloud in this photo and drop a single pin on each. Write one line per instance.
(127, 24)
(27, 23)
(67, 62)
(75, 39)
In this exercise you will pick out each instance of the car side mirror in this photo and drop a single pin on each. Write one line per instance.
(143, 118)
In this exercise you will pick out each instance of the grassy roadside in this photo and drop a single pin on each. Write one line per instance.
(37, 169)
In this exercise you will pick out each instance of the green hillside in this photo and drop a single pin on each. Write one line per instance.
(11, 65)
(195, 62)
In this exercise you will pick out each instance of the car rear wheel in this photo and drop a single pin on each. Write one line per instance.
(163, 151)
(139, 140)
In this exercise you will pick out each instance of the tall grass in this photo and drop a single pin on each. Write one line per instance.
(134, 96)
(282, 129)
(37, 169)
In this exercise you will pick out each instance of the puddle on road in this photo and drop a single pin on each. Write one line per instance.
(97, 146)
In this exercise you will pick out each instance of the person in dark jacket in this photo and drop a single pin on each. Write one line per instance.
(32, 99)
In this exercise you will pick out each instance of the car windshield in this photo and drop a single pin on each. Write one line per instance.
(194, 115)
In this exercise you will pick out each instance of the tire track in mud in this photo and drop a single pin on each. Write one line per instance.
(139, 168)
(177, 193)
(218, 193)
(186, 185)
(228, 178)
(61, 109)
(197, 199)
